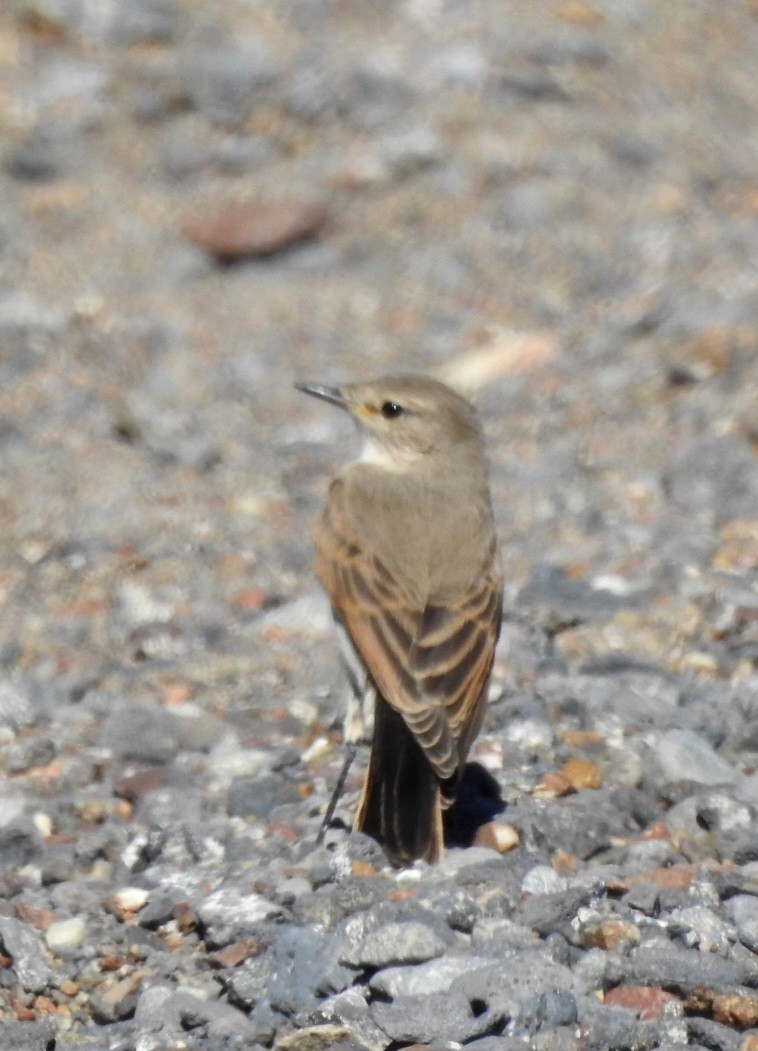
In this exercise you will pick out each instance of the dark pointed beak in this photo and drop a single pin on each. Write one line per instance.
(331, 394)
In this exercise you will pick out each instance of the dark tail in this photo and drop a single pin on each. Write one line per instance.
(400, 805)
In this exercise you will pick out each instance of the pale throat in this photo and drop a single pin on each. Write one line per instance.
(380, 456)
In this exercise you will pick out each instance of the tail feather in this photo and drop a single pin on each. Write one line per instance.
(400, 805)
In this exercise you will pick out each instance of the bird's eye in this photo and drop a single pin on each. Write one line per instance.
(390, 409)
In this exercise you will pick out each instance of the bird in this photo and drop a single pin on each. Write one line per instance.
(407, 552)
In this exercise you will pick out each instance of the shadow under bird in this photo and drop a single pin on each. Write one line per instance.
(407, 552)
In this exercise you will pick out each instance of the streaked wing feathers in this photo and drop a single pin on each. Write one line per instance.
(431, 664)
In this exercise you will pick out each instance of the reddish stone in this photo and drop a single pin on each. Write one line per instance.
(254, 229)
(237, 953)
(647, 1000)
(39, 918)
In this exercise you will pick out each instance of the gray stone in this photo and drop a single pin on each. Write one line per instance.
(744, 911)
(408, 150)
(143, 733)
(306, 967)
(247, 984)
(643, 897)
(714, 478)
(145, 21)
(257, 796)
(30, 1036)
(222, 80)
(722, 812)
(234, 913)
(46, 155)
(503, 990)
(395, 943)
(497, 936)
(458, 909)
(17, 708)
(546, 1010)
(680, 755)
(423, 1019)
(32, 751)
(681, 970)
(701, 926)
(20, 843)
(545, 913)
(183, 156)
(434, 976)
(24, 946)
(583, 824)
(157, 1008)
(351, 1010)
(712, 1035)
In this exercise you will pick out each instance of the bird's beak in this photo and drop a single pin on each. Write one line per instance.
(331, 394)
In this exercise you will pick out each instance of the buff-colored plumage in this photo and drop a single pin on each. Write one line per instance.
(407, 553)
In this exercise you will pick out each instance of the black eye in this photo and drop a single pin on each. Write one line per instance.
(390, 409)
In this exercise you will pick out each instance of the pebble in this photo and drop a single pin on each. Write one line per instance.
(222, 80)
(396, 943)
(256, 229)
(434, 976)
(36, 751)
(63, 935)
(681, 755)
(229, 908)
(744, 912)
(24, 947)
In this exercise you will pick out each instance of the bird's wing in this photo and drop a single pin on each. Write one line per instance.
(452, 655)
(430, 663)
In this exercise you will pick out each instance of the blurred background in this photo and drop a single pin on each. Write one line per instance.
(555, 204)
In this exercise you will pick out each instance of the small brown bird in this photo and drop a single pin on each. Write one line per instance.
(407, 553)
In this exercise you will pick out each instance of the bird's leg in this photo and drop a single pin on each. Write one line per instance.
(350, 750)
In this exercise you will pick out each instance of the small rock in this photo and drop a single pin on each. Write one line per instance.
(257, 796)
(128, 901)
(34, 751)
(543, 879)
(434, 976)
(20, 843)
(24, 947)
(545, 913)
(681, 970)
(228, 908)
(423, 1019)
(315, 1038)
(307, 966)
(504, 989)
(66, 934)
(247, 983)
(702, 927)
(648, 1001)
(680, 755)
(351, 1010)
(252, 229)
(222, 80)
(17, 708)
(144, 733)
(396, 943)
(548, 1010)
(610, 934)
(145, 21)
(744, 910)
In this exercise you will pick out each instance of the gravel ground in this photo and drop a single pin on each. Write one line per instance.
(556, 204)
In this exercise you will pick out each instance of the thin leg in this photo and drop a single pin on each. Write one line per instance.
(350, 750)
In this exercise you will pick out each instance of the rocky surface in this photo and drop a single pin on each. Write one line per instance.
(556, 204)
